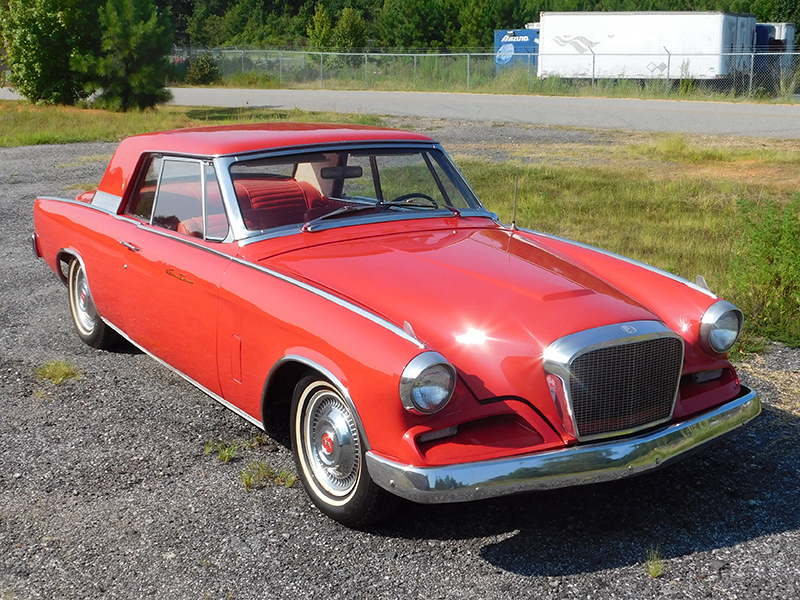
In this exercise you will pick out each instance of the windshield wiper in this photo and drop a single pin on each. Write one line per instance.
(347, 208)
(364, 205)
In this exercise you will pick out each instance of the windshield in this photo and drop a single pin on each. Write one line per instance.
(305, 189)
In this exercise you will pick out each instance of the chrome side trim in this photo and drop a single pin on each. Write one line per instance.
(336, 300)
(76, 256)
(577, 465)
(330, 377)
(77, 203)
(205, 390)
(302, 285)
(626, 259)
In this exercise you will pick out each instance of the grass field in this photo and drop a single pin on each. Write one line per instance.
(22, 124)
(724, 208)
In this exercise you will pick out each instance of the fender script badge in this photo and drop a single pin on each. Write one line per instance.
(628, 329)
(178, 276)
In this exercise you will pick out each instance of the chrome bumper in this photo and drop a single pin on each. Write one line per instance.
(576, 465)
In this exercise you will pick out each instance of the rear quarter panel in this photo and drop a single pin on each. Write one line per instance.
(92, 235)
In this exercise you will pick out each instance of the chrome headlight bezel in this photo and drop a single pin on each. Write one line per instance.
(430, 364)
(715, 336)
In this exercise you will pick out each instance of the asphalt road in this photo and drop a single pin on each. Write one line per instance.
(671, 116)
(106, 491)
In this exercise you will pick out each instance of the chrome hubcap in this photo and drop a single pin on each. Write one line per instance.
(84, 307)
(332, 443)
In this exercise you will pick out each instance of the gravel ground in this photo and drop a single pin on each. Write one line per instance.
(106, 490)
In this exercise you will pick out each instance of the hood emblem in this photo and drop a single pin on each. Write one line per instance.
(630, 329)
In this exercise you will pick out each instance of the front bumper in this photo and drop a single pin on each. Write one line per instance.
(576, 465)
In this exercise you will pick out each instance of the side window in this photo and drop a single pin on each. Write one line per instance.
(141, 202)
(179, 201)
(216, 219)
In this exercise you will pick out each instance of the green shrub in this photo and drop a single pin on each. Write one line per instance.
(251, 79)
(687, 87)
(765, 269)
(203, 70)
(39, 37)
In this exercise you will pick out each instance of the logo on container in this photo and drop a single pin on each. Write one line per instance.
(510, 37)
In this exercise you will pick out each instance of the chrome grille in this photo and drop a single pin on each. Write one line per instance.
(624, 387)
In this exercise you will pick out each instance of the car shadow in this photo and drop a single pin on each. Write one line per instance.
(125, 347)
(739, 489)
(234, 114)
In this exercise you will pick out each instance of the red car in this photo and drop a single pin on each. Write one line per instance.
(346, 284)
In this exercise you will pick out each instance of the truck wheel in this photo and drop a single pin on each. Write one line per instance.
(330, 456)
(90, 327)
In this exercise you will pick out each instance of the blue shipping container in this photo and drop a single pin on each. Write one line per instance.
(514, 46)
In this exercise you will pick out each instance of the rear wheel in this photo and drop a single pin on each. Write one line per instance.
(90, 327)
(330, 456)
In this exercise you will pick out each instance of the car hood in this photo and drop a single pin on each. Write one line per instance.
(487, 299)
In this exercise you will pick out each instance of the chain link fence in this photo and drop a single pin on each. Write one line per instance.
(758, 75)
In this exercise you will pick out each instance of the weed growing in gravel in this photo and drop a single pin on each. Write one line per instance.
(259, 472)
(226, 452)
(654, 563)
(256, 474)
(286, 479)
(258, 440)
(57, 371)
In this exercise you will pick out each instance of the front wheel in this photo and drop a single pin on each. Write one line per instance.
(330, 456)
(90, 327)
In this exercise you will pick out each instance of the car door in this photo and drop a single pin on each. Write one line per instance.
(175, 260)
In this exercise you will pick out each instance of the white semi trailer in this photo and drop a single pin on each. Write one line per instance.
(645, 45)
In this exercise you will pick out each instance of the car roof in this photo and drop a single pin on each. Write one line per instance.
(238, 139)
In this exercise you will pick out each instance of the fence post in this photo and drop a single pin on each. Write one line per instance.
(529, 69)
(750, 85)
(468, 65)
(321, 80)
(280, 68)
(242, 61)
(669, 64)
(593, 55)
(366, 85)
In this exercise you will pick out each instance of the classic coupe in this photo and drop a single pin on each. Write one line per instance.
(344, 287)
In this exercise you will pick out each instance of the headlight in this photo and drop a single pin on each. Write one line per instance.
(720, 327)
(427, 383)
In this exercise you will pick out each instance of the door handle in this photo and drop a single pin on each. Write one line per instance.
(130, 246)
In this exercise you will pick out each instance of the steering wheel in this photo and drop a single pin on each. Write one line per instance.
(406, 197)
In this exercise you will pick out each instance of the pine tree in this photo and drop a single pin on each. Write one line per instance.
(131, 67)
(319, 29)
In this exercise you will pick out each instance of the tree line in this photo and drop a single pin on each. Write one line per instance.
(405, 24)
(64, 51)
